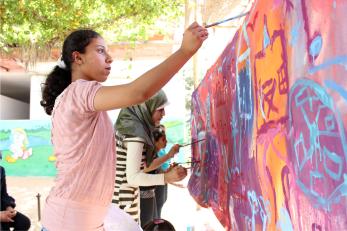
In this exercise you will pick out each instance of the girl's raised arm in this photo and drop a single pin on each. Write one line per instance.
(139, 90)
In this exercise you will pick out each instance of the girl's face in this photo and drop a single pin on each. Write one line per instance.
(157, 116)
(95, 63)
(161, 143)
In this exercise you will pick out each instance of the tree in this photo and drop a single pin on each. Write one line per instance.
(43, 23)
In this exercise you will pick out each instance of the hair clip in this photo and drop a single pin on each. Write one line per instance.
(61, 64)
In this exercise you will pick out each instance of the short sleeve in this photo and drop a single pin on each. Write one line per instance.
(84, 93)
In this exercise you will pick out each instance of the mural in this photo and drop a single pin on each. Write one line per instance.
(27, 150)
(273, 111)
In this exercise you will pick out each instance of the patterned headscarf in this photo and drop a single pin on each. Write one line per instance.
(137, 121)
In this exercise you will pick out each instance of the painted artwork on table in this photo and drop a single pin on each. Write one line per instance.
(273, 113)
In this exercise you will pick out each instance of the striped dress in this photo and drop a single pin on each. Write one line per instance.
(126, 196)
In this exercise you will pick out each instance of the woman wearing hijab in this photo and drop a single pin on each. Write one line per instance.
(135, 153)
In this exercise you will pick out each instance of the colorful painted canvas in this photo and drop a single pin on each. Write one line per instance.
(273, 113)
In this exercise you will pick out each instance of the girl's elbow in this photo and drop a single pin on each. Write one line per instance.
(144, 95)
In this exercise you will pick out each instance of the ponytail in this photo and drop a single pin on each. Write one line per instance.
(55, 84)
(60, 77)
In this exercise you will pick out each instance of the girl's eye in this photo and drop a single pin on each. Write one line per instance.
(101, 51)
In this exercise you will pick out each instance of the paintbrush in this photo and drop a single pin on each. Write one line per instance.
(226, 20)
(196, 141)
(190, 162)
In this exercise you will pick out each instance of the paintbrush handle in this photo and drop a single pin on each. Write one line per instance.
(196, 141)
(190, 162)
(226, 20)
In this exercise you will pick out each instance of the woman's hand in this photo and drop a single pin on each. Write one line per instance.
(177, 173)
(174, 150)
(6, 216)
(193, 38)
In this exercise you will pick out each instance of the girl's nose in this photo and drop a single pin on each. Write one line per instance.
(109, 58)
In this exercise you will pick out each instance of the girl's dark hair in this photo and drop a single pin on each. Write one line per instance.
(158, 132)
(159, 225)
(60, 78)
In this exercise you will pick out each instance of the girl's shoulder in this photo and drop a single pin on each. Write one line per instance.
(84, 83)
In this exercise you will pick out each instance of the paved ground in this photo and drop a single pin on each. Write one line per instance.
(180, 209)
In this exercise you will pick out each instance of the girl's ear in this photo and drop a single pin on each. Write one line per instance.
(76, 57)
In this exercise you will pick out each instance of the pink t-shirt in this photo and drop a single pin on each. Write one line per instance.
(84, 145)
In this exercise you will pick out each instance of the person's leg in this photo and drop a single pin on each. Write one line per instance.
(147, 208)
(21, 222)
(4, 226)
(161, 196)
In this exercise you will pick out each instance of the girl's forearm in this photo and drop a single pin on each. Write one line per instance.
(157, 162)
(154, 79)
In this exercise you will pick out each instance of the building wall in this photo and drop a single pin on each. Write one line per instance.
(13, 109)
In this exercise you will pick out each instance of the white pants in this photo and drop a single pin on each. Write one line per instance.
(118, 220)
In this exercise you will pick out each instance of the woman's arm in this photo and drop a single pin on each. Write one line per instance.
(113, 97)
(135, 176)
(157, 162)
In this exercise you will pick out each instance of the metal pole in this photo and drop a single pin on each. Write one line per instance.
(38, 206)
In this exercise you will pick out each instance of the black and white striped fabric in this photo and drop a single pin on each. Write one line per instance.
(126, 196)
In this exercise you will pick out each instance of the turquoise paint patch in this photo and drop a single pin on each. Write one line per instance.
(316, 46)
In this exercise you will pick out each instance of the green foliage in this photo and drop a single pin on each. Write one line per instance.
(45, 22)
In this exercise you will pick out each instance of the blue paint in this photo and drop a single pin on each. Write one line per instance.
(310, 93)
(300, 161)
(243, 56)
(337, 160)
(329, 122)
(295, 34)
(316, 46)
(225, 158)
(245, 34)
(336, 87)
(246, 53)
(33, 141)
(284, 223)
(25, 124)
(315, 175)
(320, 94)
(337, 60)
(243, 119)
(266, 37)
(244, 90)
(260, 207)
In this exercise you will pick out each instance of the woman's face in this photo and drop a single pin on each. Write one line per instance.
(161, 143)
(157, 116)
(95, 63)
